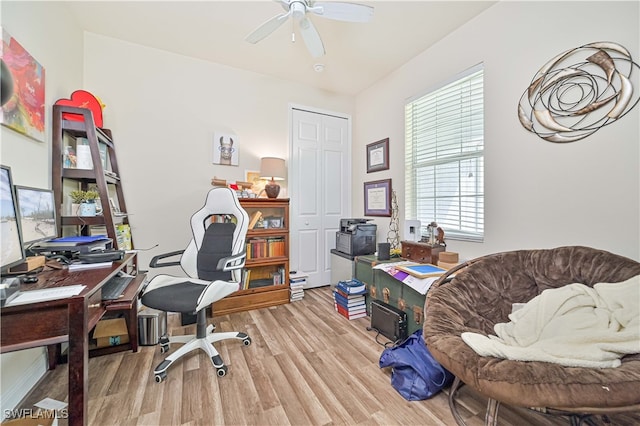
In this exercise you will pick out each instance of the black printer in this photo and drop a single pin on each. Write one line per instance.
(356, 237)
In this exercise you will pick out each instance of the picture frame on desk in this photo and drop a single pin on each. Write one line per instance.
(377, 198)
(272, 222)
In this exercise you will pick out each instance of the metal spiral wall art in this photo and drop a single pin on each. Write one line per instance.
(393, 237)
(579, 91)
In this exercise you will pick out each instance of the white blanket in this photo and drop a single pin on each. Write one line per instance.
(574, 325)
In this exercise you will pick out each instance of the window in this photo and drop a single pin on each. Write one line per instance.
(445, 157)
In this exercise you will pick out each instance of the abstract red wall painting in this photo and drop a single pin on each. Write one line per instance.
(24, 111)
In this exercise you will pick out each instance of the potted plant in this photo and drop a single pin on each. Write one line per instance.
(84, 202)
(77, 196)
(91, 196)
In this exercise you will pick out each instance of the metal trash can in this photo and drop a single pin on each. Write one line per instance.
(152, 324)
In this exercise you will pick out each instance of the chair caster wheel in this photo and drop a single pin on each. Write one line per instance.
(164, 349)
(160, 377)
(246, 341)
(222, 371)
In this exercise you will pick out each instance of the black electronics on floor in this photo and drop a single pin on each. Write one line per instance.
(390, 321)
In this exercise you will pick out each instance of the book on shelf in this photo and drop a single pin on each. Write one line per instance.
(260, 282)
(258, 248)
(246, 277)
(123, 235)
(254, 218)
(97, 230)
(352, 286)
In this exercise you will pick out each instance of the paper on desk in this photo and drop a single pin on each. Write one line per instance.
(421, 285)
(51, 404)
(53, 293)
(82, 266)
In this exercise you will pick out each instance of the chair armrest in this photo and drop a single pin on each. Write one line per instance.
(230, 263)
(156, 264)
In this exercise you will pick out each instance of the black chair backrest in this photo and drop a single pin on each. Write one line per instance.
(216, 244)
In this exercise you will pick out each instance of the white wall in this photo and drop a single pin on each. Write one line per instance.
(164, 109)
(538, 194)
(52, 37)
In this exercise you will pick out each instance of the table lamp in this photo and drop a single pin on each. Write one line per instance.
(274, 169)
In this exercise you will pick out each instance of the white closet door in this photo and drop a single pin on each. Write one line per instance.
(320, 189)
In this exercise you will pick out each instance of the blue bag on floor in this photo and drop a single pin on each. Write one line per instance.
(416, 375)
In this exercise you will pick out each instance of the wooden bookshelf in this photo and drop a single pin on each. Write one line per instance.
(266, 275)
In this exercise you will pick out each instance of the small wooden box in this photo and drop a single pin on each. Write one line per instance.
(421, 252)
(29, 264)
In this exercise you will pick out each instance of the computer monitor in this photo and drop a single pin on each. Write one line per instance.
(37, 213)
(10, 232)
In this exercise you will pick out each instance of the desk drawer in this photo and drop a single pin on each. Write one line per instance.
(95, 309)
(421, 252)
(48, 323)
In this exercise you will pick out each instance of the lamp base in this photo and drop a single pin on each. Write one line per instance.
(272, 190)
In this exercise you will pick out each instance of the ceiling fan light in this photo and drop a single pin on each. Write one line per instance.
(298, 10)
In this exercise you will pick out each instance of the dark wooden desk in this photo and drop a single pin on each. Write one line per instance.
(70, 320)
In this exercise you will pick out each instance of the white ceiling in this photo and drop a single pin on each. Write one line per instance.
(357, 54)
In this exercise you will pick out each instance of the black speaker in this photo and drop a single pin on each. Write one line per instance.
(384, 251)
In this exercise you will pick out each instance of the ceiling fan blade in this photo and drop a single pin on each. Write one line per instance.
(350, 12)
(311, 38)
(286, 4)
(267, 28)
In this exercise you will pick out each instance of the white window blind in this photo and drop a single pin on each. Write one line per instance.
(444, 138)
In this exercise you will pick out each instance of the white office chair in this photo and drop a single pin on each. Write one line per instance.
(213, 262)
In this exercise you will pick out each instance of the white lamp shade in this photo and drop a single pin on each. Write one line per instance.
(271, 167)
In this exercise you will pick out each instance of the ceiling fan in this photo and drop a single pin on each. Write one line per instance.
(298, 10)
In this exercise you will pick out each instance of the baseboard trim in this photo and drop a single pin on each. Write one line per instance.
(14, 394)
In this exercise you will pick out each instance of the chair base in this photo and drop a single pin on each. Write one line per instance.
(491, 415)
(203, 340)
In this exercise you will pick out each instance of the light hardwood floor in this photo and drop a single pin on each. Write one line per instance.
(307, 365)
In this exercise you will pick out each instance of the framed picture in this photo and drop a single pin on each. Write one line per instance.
(378, 156)
(225, 149)
(24, 109)
(273, 222)
(377, 198)
(253, 176)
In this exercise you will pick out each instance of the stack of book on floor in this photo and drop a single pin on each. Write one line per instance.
(296, 287)
(349, 299)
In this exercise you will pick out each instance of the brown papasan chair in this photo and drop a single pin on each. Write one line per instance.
(481, 294)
